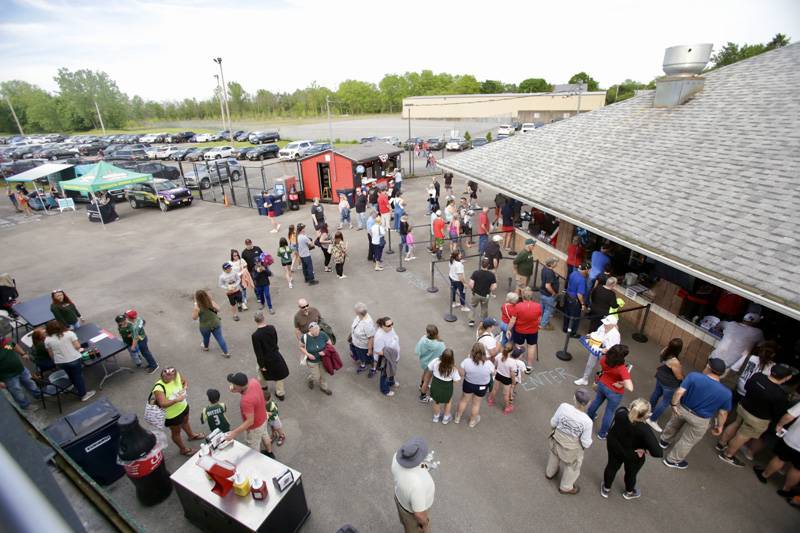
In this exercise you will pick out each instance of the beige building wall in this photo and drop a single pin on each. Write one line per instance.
(470, 106)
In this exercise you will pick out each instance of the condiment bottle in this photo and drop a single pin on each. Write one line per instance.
(258, 489)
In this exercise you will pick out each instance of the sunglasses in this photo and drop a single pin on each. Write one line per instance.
(304, 306)
(388, 325)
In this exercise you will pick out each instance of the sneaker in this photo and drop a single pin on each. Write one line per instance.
(682, 465)
(203, 347)
(88, 395)
(654, 425)
(271, 311)
(601, 437)
(313, 282)
(760, 474)
(664, 444)
(733, 461)
(290, 285)
(471, 323)
(575, 490)
(473, 423)
(528, 369)
(244, 307)
(378, 269)
(635, 493)
(371, 372)
(343, 276)
(226, 355)
(581, 382)
(390, 393)
(327, 392)
(603, 490)
(466, 309)
(457, 419)
(236, 318)
(446, 420)
(720, 447)
(436, 419)
(360, 369)
(455, 304)
(152, 369)
(424, 398)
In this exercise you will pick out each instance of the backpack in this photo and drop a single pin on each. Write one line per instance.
(266, 259)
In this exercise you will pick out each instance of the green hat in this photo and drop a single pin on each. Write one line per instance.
(529, 242)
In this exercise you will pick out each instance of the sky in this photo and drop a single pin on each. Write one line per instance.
(163, 50)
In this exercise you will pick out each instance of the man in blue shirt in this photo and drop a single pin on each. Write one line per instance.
(700, 398)
(577, 299)
(600, 259)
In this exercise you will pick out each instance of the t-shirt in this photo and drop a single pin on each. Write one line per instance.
(603, 299)
(361, 203)
(456, 270)
(792, 436)
(413, 487)
(599, 262)
(433, 366)
(250, 255)
(492, 252)
(737, 340)
(361, 330)
(315, 345)
(318, 212)
(383, 204)
(483, 223)
(574, 254)
(438, 228)
(285, 255)
(705, 396)
(383, 339)
(427, 350)
(62, 348)
(398, 177)
(506, 368)
(230, 281)
(208, 319)
(377, 231)
(303, 242)
(528, 315)
(519, 368)
(748, 371)
(477, 374)
(483, 281)
(253, 403)
(549, 276)
(524, 263)
(607, 338)
(489, 342)
(576, 284)
(302, 320)
(764, 399)
(10, 364)
(612, 375)
(214, 415)
(574, 423)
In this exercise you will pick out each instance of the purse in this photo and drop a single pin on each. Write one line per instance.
(154, 414)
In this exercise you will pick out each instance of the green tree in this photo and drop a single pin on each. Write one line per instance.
(237, 98)
(393, 89)
(534, 85)
(359, 96)
(626, 89)
(37, 110)
(489, 136)
(732, 52)
(80, 90)
(491, 87)
(467, 136)
(582, 77)
(466, 84)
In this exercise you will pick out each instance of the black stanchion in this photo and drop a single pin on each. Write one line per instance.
(389, 239)
(533, 284)
(564, 354)
(433, 288)
(640, 336)
(448, 315)
(513, 251)
(401, 268)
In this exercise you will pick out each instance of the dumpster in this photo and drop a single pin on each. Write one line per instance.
(90, 436)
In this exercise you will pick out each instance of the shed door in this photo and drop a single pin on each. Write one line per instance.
(324, 173)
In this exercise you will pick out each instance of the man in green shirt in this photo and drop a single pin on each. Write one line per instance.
(15, 377)
(523, 265)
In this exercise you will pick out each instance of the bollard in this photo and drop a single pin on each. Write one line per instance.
(401, 268)
(448, 315)
(389, 235)
(640, 336)
(564, 354)
(433, 288)
(513, 251)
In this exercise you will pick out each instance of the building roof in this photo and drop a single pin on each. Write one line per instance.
(368, 151)
(496, 95)
(711, 187)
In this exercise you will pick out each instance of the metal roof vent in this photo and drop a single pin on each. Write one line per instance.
(682, 66)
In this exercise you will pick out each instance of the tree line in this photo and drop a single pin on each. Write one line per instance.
(81, 93)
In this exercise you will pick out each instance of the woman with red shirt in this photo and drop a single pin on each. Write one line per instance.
(524, 325)
(505, 316)
(384, 209)
(613, 382)
(574, 255)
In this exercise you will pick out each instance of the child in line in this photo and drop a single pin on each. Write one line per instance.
(344, 212)
(505, 374)
(138, 339)
(126, 334)
(273, 420)
(214, 413)
(519, 368)
(410, 247)
(261, 274)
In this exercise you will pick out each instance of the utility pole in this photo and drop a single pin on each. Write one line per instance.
(330, 127)
(580, 89)
(221, 107)
(218, 60)
(410, 148)
(14, 114)
(97, 108)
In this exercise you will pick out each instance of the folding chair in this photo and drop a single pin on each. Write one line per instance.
(65, 203)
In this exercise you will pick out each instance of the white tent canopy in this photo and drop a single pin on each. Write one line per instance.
(39, 172)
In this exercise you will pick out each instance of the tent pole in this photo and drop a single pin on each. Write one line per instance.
(44, 202)
(99, 213)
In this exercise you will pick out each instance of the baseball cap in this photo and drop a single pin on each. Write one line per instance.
(120, 318)
(238, 379)
(226, 266)
(716, 365)
(752, 317)
(610, 319)
(248, 241)
(518, 352)
(131, 313)
(781, 371)
(583, 396)
(529, 242)
(489, 322)
(312, 325)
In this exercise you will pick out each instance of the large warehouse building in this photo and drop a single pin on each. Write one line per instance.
(530, 107)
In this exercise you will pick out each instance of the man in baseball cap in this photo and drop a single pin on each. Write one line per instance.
(572, 434)
(253, 408)
(738, 338)
(700, 399)
(413, 485)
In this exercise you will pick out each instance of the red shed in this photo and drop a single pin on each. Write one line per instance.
(334, 170)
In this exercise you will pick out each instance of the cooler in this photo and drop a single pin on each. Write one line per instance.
(90, 436)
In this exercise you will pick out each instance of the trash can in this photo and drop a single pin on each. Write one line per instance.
(277, 205)
(259, 199)
(90, 436)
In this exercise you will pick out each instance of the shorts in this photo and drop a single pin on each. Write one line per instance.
(178, 420)
(235, 298)
(478, 390)
(787, 454)
(275, 424)
(502, 379)
(521, 338)
(439, 242)
(507, 229)
(751, 427)
(453, 238)
(293, 247)
(254, 437)
(271, 213)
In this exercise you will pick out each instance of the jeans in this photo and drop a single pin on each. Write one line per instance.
(504, 330)
(483, 240)
(457, 287)
(548, 304)
(144, 351)
(572, 308)
(377, 252)
(74, 371)
(244, 296)
(386, 383)
(604, 394)
(217, 332)
(344, 216)
(308, 268)
(262, 293)
(362, 219)
(18, 383)
(660, 400)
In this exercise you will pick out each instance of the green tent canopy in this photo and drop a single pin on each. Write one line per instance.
(103, 177)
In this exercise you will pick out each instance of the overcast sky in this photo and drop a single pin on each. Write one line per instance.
(163, 50)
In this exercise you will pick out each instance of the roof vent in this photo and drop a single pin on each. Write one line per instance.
(682, 66)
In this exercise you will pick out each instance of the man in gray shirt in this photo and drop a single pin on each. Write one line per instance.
(304, 246)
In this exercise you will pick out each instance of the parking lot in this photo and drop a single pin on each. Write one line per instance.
(491, 477)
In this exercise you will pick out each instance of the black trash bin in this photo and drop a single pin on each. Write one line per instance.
(259, 200)
(90, 436)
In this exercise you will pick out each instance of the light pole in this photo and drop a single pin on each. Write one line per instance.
(97, 108)
(221, 106)
(330, 127)
(218, 61)
(14, 114)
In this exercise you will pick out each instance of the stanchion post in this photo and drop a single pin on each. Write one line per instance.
(563, 354)
(640, 336)
(401, 268)
(389, 233)
(448, 315)
(513, 251)
(433, 288)
(532, 283)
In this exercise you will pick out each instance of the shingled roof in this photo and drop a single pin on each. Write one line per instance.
(711, 187)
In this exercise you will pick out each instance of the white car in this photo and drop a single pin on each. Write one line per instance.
(295, 150)
(394, 141)
(153, 151)
(152, 138)
(204, 137)
(527, 127)
(219, 152)
(505, 129)
(165, 151)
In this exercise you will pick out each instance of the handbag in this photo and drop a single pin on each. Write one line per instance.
(154, 414)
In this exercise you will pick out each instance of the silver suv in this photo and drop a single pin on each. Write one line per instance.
(210, 173)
